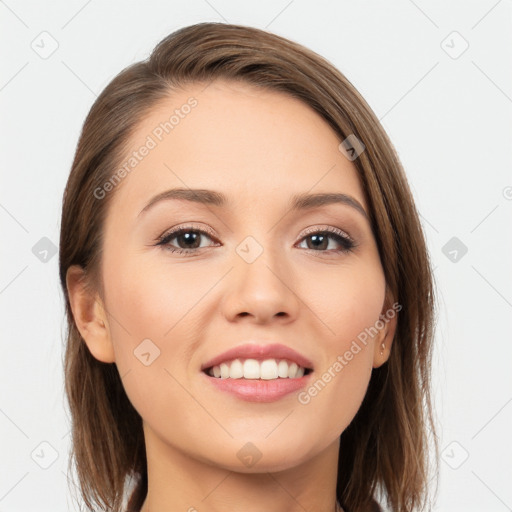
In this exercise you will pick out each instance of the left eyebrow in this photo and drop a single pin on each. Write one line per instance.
(310, 201)
(298, 202)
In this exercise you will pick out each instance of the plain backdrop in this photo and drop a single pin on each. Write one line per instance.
(437, 74)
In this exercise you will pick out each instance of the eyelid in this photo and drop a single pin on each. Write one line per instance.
(187, 226)
(329, 229)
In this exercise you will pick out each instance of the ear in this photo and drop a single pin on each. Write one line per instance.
(89, 315)
(384, 338)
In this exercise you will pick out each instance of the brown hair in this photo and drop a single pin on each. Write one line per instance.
(385, 449)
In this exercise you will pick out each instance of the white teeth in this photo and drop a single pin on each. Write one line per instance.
(269, 369)
(251, 369)
(236, 371)
(292, 370)
(282, 369)
(224, 371)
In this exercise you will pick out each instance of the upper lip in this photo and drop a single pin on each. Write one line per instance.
(260, 352)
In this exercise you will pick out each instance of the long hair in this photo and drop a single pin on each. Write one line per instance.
(385, 449)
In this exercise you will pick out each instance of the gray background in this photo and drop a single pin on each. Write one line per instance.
(447, 108)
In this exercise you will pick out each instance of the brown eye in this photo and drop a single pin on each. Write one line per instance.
(187, 240)
(319, 241)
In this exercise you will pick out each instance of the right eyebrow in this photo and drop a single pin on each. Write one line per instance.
(298, 202)
(197, 195)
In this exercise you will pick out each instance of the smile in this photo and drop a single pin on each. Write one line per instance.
(251, 369)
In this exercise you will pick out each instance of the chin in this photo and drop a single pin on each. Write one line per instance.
(264, 455)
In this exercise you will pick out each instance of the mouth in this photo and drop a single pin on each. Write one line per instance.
(254, 369)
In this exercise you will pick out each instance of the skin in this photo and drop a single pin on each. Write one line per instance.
(258, 148)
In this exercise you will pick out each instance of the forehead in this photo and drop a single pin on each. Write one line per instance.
(245, 141)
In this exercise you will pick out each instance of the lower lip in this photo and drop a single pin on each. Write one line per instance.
(257, 390)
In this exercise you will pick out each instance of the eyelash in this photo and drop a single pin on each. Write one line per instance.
(348, 245)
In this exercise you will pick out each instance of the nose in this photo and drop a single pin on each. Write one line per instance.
(261, 291)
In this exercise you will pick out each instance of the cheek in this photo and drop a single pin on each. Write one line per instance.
(151, 330)
(154, 325)
(347, 301)
(350, 306)
(152, 302)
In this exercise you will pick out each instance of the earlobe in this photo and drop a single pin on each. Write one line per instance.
(89, 315)
(384, 339)
(382, 345)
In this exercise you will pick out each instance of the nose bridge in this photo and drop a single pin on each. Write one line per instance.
(260, 263)
(259, 284)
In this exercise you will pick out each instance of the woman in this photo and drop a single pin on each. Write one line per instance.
(249, 296)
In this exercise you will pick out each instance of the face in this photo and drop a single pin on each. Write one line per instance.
(186, 280)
